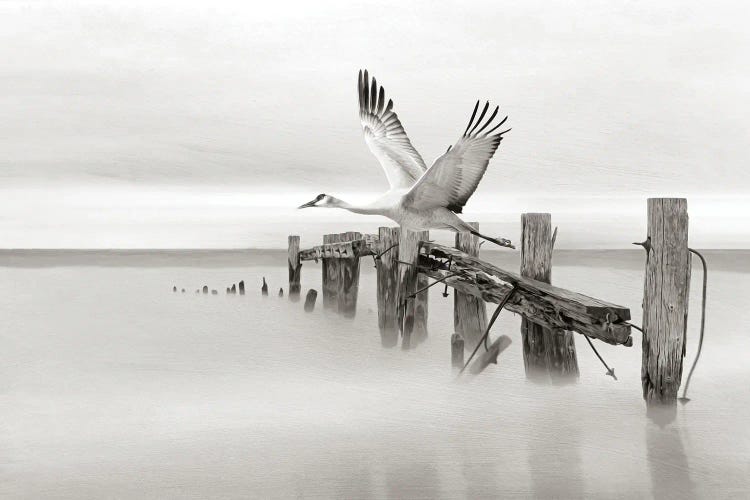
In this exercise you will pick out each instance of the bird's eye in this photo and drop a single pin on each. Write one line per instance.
(320, 196)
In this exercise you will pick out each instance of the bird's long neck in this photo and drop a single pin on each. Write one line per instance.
(357, 209)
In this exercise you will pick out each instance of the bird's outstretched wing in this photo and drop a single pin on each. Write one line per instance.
(454, 176)
(386, 137)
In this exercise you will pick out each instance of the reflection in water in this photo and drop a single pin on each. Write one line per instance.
(555, 470)
(668, 466)
(415, 479)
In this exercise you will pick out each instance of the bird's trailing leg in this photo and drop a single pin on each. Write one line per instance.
(497, 241)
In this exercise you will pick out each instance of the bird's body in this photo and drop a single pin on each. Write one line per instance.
(420, 198)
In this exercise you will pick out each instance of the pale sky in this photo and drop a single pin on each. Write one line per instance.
(201, 124)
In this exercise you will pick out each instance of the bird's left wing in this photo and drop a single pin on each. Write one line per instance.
(386, 137)
(454, 176)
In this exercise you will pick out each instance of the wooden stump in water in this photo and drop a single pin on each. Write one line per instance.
(412, 316)
(264, 287)
(242, 288)
(469, 312)
(665, 299)
(485, 358)
(388, 285)
(233, 289)
(295, 268)
(348, 280)
(548, 355)
(174, 289)
(281, 292)
(312, 295)
(330, 279)
(214, 292)
(457, 351)
(205, 288)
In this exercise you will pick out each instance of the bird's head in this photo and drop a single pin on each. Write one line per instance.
(322, 200)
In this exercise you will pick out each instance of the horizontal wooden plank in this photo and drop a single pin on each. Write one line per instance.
(367, 245)
(544, 304)
(342, 250)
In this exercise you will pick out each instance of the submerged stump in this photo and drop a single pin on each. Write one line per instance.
(310, 299)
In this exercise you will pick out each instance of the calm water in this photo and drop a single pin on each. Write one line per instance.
(112, 386)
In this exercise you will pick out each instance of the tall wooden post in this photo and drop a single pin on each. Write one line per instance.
(469, 312)
(412, 316)
(348, 279)
(330, 283)
(546, 353)
(388, 284)
(665, 299)
(295, 268)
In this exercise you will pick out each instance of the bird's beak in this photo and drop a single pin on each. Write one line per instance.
(308, 204)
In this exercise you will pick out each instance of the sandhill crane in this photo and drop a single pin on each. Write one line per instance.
(420, 198)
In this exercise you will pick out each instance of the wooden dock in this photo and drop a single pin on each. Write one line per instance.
(406, 260)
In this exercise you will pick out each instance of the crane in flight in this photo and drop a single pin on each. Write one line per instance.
(421, 198)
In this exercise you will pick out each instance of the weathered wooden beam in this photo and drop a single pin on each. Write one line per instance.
(388, 285)
(665, 299)
(490, 355)
(547, 305)
(546, 352)
(330, 270)
(412, 318)
(349, 278)
(295, 269)
(337, 250)
(469, 312)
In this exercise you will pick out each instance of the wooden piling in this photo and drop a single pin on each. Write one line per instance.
(205, 288)
(457, 351)
(295, 268)
(412, 316)
(310, 298)
(547, 354)
(330, 280)
(469, 312)
(264, 287)
(388, 285)
(348, 282)
(665, 299)
(242, 288)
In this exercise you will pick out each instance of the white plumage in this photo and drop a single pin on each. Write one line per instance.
(420, 198)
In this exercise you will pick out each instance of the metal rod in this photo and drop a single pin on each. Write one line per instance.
(377, 257)
(411, 296)
(684, 397)
(610, 371)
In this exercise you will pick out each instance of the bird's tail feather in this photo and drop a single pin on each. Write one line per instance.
(497, 241)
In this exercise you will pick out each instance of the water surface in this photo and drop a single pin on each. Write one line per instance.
(113, 386)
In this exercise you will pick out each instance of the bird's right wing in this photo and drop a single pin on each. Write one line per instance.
(454, 177)
(386, 137)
